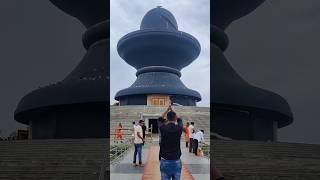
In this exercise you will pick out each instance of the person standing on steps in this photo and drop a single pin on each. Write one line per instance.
(191, 146)
(170, 152)
(138, 141)
(118, 133)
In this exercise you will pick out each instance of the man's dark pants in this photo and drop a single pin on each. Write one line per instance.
(137, 150)
(191, 144)
(195, 145)
(144, 136)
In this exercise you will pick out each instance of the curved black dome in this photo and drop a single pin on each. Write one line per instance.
(159, 18)
(230, 89)
(158, 81)
(86, 84)
(88, 12)
(158, 48)
(158, 43)
(72, 93)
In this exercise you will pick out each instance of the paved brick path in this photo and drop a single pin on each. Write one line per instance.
(152, 167)
(194, 167)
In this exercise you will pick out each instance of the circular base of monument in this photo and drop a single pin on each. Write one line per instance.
(78, 92)
(67, 121)
(247, 123)
(141, 99)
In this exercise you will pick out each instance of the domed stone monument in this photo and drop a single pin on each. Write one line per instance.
(75, 107)
(241, 110)
(158, 51)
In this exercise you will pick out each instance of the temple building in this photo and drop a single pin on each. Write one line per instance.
(76, 106)
(158, 51)
(241, 110)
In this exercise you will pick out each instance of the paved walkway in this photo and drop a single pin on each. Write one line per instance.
(194, 167)
(198, 166)
(152, 168)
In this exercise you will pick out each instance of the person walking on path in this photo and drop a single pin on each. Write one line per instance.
(170, 152)
(138, 141)
(191, 137)
(186, 134)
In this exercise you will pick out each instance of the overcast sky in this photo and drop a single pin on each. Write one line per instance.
(192, 17)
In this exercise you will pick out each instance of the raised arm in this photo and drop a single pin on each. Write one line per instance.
(180, 123)
(202, 138)
(164, 114)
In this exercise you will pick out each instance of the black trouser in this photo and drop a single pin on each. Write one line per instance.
(195, 146)
(187, 144)
(191, 145)
(144, 139)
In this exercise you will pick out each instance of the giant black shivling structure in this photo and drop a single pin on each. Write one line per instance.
(76, 107)
(241, 111)
(158, 51)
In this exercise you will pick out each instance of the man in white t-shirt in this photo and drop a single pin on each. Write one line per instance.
(197, 138)
(191, 127)
(138, 142)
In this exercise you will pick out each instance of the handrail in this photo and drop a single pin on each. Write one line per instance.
(120, 149)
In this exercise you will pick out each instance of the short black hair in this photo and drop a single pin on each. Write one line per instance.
(133, 122)
(202, 131)
(192, 123)
(141, 121)
(171, 115)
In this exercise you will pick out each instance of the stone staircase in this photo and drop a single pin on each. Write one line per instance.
(127, 114)
(78, 159)
(249, 160)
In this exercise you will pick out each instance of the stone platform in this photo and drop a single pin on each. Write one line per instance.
(193, 168)
(67, 159)
(251, 160)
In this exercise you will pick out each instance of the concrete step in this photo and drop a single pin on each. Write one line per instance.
(52, 159)
(266, 160)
